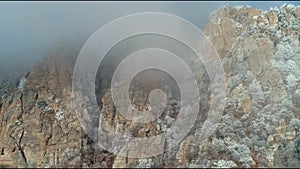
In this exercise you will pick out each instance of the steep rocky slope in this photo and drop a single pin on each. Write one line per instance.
(260, 125)
(261, 59)
(38, 126)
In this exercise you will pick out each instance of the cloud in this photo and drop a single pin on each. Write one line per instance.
(28, 29)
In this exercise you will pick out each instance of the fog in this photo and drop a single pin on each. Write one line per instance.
(29, 29)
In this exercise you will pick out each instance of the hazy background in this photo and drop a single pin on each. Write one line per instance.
(29, 29)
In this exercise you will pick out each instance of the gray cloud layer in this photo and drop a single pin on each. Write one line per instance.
(29, 29)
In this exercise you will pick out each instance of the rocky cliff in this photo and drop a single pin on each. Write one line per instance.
(260, 125)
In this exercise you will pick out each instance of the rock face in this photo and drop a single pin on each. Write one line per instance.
(260, 125)
(38, 125)
(261, 58)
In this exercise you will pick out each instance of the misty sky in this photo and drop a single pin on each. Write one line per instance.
(29, 29)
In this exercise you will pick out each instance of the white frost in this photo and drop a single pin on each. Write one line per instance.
(22, 84)
(290, 7)
(292, 80)
(59, 115)
(225, 164)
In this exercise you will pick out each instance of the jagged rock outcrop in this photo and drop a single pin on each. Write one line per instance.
(260, 125)
(261, 59)
(38, 125)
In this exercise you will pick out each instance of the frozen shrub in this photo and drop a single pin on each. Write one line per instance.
(292, 80)
(241, 153)
(69, 153)
(296, 98)
(256, 93)
(225, 164)
(294, 124)
(145, 163)
(217, 146)
(191, 165)
(59, 115)
(284, 154)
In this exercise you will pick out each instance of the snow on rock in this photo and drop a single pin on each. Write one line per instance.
(59, 115)
(22, 84)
